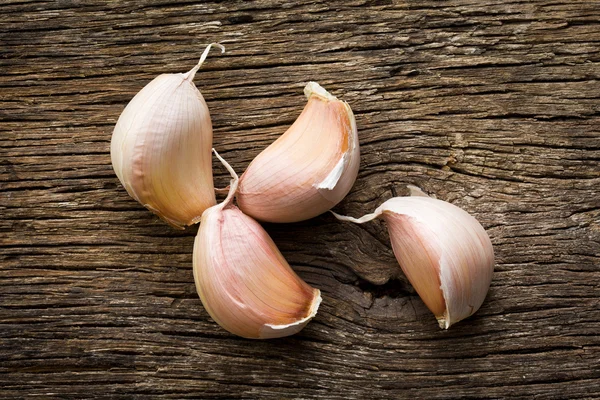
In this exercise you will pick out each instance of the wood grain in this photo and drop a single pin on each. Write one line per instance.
(493, 106)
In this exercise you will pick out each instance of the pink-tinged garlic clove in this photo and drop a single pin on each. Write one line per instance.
(161, 148)
(307, 170)
(444, 252)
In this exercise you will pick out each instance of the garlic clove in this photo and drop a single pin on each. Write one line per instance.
(244, 282)
(161, 148)
(444, 252)
(307, 170)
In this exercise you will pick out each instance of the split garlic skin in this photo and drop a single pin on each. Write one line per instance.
(307, 170)
(444, 252)
(161, 148)
(244, 282)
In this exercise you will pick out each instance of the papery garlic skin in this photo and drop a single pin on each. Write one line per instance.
(161, 148)
(307, 170)
(244, 282)
(444, 252)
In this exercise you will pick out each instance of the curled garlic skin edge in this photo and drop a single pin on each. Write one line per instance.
(269, 331)
(233, 306)
(348, 163)
(172, 180)
(281, 185)
(464, 285)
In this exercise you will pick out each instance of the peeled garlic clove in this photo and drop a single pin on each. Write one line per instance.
(161, 148)
(307, 170)
(244, 282)
(444, 252)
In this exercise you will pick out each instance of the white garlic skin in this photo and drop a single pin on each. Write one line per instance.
(244, 282)
(444, 252)
(307, 170)
(161, 148)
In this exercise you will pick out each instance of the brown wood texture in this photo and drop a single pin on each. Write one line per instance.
(491, 105)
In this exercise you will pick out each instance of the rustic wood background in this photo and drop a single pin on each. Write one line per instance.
(491, 105)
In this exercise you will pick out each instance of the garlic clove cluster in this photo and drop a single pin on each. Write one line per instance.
(161, 148)
(244, 282)
(161, 153)
(444, 252)
(307, 170)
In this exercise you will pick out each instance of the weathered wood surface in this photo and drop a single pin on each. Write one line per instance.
(493, 106)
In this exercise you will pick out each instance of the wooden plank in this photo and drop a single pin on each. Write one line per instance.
(493, 106)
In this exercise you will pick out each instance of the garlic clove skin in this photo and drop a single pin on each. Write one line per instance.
(307, 170)
(244, 282)
(444, 252)
(161, 148)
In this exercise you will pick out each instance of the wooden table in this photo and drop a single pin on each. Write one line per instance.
(493, 106)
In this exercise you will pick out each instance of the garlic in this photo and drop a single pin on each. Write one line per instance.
(161, 148)
(244, 282)
(444, 252)
(307, 170)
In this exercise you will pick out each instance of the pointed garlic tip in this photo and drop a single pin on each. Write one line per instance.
(191, 73)
(361, 220)
(307, 170)
(244, 282)
(444, 252)
(233, 185)
(161, 148)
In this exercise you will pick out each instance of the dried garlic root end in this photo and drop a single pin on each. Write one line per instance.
(313, 88)
(443, 322)
(416, 191)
